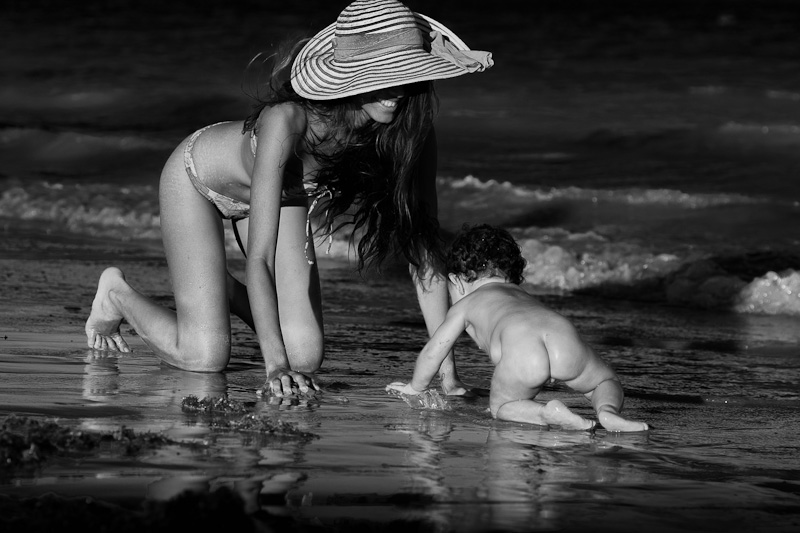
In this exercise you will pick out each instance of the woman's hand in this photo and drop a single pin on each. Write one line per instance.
(286, 382)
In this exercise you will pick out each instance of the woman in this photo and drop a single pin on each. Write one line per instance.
(348, 121)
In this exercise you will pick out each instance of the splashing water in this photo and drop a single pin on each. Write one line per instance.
(427, 399)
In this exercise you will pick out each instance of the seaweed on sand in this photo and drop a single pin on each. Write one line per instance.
(224, 414)
(27, 442)
(221, 406)
(220, 510)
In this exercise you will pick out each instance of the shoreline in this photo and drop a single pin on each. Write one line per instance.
(703, 380)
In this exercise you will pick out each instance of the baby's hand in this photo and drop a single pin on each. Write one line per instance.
(424, 399)
(403, 388)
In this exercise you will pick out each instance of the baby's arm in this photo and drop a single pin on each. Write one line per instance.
(434, 352)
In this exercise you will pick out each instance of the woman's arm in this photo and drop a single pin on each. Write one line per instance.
(434, 302)
(431, 285)
(280, 127)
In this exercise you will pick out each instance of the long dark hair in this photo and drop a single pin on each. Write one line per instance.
(372, 171)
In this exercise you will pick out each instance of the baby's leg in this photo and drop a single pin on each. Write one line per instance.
(510, 399)
(553, 413)
(607, 400)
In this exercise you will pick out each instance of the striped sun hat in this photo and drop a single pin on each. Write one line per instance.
(375, 44)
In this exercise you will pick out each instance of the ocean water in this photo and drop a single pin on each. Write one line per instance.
(636, 151)
(722, 401)
(645, 154)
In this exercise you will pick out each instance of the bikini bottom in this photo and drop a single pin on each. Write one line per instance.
(234, 209)
(227, 207)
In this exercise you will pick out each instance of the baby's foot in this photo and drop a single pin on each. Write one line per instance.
(557, 414)
(102, 326)
(614, 422)
(455, 387)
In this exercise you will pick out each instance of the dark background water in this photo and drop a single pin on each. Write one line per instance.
(658, 128)
(719, 391)
(639, 89)
(623, 97)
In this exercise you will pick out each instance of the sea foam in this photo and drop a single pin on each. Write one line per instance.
(559, 259)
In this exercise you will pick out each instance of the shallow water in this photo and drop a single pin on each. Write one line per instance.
(644, 154)
(632, 140)
(719, 391)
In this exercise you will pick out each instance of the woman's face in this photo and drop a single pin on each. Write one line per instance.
(381, 105)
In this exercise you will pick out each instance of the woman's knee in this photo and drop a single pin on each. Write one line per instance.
(207, 351)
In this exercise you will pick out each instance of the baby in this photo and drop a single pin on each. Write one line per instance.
(528, 343)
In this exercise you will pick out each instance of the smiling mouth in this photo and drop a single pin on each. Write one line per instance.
(390, 104)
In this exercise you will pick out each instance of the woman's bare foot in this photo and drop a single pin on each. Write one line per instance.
(557, 414)
(102, 326)
(614, 422)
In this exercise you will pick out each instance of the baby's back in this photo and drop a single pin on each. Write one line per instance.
(507, 322)
(498, 308)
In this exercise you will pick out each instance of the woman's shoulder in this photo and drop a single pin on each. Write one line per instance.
(288, 114)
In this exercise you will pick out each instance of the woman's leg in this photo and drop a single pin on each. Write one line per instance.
(197, 335)
(237, 291)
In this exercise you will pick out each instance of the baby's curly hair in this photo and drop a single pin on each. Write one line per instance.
(484, 250)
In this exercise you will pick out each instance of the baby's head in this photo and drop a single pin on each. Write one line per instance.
(484, 251)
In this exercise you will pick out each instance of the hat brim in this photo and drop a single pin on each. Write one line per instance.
(316, 75)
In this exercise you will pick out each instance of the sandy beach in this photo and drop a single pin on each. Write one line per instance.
(354, 458)
(643, 154)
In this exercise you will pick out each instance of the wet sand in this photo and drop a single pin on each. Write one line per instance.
(355, 458)
(698, 98)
